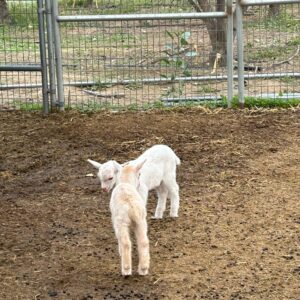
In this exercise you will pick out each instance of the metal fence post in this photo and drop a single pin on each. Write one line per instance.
(58, 60)
(229, 53)
(51, 62)
(42, 44)
(240, 49)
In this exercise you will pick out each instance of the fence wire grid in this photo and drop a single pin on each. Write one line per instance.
(151, 61)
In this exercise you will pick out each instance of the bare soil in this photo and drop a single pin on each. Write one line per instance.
(237, 236)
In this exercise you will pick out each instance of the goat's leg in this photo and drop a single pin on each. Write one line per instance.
(125, 251)
(162, 193)
(173, 194)
(143, 247)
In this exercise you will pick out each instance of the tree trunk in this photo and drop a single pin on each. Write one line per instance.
(4, 15)
(216, 29)
(274, 10)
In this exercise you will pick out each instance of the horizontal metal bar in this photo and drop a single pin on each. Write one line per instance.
(219, 98)
(154, 80)
(135, 17)
(193, 78)
(20, 68)
(267, 2)
(192, 98)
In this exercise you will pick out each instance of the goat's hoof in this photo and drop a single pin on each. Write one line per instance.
(126, 272)
(157, 217)
(143, 271)
(174, 215)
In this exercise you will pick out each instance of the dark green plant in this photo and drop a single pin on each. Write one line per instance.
(176, 54)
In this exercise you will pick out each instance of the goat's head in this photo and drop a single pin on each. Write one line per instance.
(107, 173)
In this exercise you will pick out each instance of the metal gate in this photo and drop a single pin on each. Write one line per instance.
(136, 54)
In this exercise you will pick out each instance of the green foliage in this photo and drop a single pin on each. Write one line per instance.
(106, 6)
(23, 13)
(272, 52)
(176, 61)
(207, 89)
(11, 43)
(283, 22)
(28, 105)
(288, 79)
(294, 42)
(252, 102)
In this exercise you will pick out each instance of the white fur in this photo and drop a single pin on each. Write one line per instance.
(158, 173)
(107, 173)
(128, 212)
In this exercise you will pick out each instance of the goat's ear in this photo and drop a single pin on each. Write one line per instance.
(140, 165)
(117, 166)
(94, 163)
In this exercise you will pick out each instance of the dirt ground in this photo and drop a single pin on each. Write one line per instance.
(237, 235)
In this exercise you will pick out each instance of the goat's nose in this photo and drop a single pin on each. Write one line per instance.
(105, 189)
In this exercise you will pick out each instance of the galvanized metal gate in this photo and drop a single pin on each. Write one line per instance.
(55, 81)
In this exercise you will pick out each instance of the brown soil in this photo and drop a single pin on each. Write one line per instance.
(238, 229)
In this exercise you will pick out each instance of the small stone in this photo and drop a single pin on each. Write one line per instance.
(52, 293)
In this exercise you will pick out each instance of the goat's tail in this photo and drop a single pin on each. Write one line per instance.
(177, 160)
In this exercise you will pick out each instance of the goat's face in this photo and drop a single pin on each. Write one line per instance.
(107, 175)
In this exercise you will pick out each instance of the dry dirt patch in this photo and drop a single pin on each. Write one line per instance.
(237, 236)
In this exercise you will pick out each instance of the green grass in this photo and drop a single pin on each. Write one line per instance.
(267, 53)
(23, 14)
(28, 106)
(93, 106)
(284, 22)
(288, 80)
(126, 6)
(252, 102)
(9, 42)
(274, 51)
(207, 89)
(107, 7)
(294, 42)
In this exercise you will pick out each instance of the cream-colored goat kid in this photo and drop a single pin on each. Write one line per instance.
(129, 213)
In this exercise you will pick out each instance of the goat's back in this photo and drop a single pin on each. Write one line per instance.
(161, 161)
(126, 204)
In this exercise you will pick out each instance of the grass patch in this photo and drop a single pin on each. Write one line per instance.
(283, 22)
(252, 102)
(23, 13)
(125, 6)
(28, 106)
(9, 42)
(267, 53)
(207, 89)
(294, 42)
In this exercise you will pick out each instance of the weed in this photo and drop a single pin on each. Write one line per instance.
(272, 52)
(251, 102)
(23, 13)
(28, 105)
(207, 89)
(176, 60)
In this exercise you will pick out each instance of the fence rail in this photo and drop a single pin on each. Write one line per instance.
(134, 54)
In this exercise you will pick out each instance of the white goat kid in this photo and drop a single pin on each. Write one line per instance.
(129, 212)
(158, 173)
(107, 173)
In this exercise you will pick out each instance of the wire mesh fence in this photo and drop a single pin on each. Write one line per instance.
(133, 62)
(19, 45)
(140, 62)
(272, 47)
